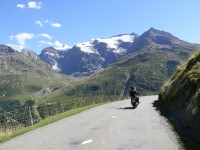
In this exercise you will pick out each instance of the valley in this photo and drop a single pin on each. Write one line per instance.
(92, 72)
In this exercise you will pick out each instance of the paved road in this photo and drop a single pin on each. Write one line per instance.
(114, 126)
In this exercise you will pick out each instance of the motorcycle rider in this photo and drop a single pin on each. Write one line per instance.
(134, 94)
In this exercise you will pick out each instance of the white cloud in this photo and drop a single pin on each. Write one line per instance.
(21, 40)
(58, 44)
(35, 5)
(46, 42)
(22, 37)
(56, 25)
(54, 44)
(32, 5)
(46, 35)
(39, 23)
(20, 6)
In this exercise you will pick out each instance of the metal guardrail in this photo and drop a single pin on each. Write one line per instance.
(28, 116)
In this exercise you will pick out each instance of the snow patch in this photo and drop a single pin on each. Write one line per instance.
(112, 43)
(119, 50)
(87, 47)
(48, 53)
(56, 68)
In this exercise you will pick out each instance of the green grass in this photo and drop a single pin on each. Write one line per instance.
(180, 97)
(45, 122)
(147, 70)
(23, 77)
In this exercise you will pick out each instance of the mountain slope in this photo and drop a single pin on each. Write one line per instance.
(51, 56)
(29, 53)
(180, 98)
(147, 70)
(155, 39)
(23, 76)
(24, 80)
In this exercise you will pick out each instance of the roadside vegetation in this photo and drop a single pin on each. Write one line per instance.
(11, 133)
(179, 100)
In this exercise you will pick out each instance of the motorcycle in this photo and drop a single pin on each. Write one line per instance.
(134, 101)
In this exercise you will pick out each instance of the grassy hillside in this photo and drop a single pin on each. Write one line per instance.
(147, 70)
(180, 100)
(21, 75)
(25, 78)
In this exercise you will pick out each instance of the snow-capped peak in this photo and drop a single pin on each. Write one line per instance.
(112, 43)
(87, 47)
(124, 38)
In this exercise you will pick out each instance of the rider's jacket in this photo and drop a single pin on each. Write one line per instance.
(133, 93)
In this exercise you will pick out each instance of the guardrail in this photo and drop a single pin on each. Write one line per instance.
(28, 116)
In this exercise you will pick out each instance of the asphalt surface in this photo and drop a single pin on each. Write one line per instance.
(114, 126)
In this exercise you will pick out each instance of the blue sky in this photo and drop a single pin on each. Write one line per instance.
(41, 23)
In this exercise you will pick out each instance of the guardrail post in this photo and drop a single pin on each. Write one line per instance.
(62, 107)
(30, 116)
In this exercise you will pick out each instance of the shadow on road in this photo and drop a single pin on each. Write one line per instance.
(124, 108)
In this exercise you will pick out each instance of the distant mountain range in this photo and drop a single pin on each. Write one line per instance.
(145, 61)
(88, 57)
(150, 60)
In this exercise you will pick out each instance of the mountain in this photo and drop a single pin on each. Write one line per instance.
(30, 53)
(51, 56)
(25, 80)
(94, 55)
(179, 99)
(23, 75)
(155, 39)
(147, 69)
(88, 57)
(6, 49)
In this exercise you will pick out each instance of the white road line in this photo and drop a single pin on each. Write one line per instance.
(87, 142)
(114, 116)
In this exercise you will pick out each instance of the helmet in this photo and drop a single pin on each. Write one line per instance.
(134, 88)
